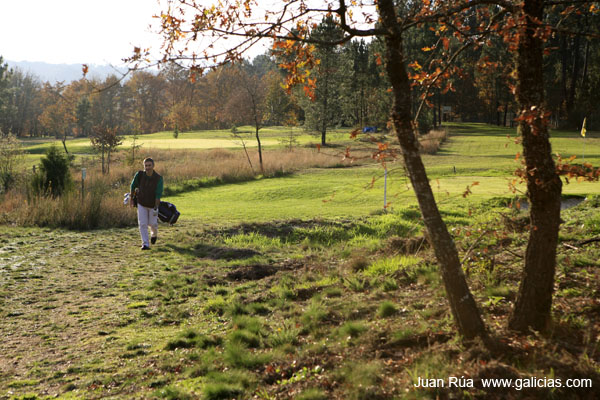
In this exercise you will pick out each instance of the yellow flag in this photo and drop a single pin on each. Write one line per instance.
(583, 130)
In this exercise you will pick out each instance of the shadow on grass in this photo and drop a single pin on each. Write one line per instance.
(210, 182)
(282, 229)
(202, 250)
(251, 272)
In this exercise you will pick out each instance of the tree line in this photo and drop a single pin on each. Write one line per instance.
(349, 88)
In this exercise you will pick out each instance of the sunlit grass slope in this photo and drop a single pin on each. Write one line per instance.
(475, 153)
(209, 139)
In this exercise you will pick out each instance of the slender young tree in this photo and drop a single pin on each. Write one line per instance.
(254, 97)
(462, 303)
(105, 140)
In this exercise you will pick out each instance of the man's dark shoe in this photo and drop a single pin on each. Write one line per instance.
(153, 239)
(145, 248)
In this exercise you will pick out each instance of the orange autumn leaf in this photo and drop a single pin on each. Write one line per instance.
(446, 42)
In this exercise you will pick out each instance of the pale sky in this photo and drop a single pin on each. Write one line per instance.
(85, 31)
(76, 31)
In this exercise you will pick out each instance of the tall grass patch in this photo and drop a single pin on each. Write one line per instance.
(173, 393)
(314, 316)
(202, 168)
(386, 309)
(330, 232)
(390, 265)
(361, 381)
(227, 385)
(431, 142)
(95, 209)
(239, 355)
(286, 334)
(254, 240)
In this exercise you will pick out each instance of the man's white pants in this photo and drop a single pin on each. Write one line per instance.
(147, 217)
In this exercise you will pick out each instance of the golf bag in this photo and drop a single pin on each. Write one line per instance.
(167, 212)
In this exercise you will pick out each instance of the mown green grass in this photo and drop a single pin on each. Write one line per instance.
(474, 153)
(270, 137)
(337, 193)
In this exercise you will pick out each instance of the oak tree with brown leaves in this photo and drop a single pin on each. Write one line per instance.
(203, 36)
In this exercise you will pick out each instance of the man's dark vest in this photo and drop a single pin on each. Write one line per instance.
(148, 184)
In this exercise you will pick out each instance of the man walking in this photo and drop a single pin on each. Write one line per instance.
(149, 187)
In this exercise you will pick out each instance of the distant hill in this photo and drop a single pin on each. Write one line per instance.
(62, 72)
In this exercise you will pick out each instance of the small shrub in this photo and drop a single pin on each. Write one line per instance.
(424, 274)
(386, 309)
(314, 316)
(333, 292)
(245, 337)
(258, 309)
(237, 355)
(583, 261)
(221, 390)
(190, 338)
(500, 291)
(389, 284)
(236, 307)
(53, 177)
(356, 283)
(221, 290)
(284, 335)
(227, 385)
(312, 394)
(216, 305)
(204, 363)
(352, 329)
(361, 381)
(387, 266)
(357, 264)
(410, 333)
(172, 393)
(251, 324)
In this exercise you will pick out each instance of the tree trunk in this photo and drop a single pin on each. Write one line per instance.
(260, 159)
(435, 125)
(64, 142)
(585, 64)
(574, 76)
(564, 51)
(325, 113)
(103, 172)
(463, 306)
(505, 109)
(108, 161)
(534, 301)
(247, 155)
(439, 109)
